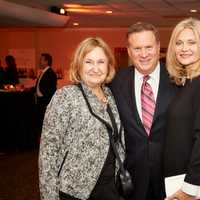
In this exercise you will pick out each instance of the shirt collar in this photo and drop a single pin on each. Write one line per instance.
(154, 75)
(45, 69)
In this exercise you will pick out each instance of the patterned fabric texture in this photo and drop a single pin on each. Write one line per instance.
(70, 129)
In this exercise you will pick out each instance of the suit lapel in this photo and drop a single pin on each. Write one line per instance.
(41, 77)
(162, 93)
(133, 100)
(129, 94)
(95, 104)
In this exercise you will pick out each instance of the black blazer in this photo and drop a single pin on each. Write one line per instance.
(143, 153)
(47, 86)
(182, 146)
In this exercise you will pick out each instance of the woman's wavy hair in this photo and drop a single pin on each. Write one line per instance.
(175, 69)
(84, 48)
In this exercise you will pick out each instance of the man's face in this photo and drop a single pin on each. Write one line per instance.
(43, 62)
(144, 51)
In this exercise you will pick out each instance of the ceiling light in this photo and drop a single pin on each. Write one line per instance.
(76, 24)
(62, 11)
(109, 11)
(72, 5)
(58, 10)
(193, 10)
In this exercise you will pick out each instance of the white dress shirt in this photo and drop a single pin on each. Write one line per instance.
(38, 92)
(193, 190)
(154, 83)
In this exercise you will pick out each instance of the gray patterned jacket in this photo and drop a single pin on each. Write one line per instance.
(70, 129)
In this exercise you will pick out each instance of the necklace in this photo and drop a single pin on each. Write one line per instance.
(101, 95)
(183, 80)
(104, 100)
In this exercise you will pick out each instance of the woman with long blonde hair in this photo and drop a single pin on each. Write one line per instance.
(182, 145)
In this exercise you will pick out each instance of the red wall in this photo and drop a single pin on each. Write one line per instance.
(61, 42)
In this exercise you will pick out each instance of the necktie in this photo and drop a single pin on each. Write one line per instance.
(147, 104)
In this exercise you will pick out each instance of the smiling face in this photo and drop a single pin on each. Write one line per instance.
(95, 68)
(186, 48)
(144, 51)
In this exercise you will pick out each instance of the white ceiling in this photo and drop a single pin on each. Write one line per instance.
(91, 13)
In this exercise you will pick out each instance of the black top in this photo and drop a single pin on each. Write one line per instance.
(2, 77)
(105, 187)
(182, 145)
(11, 75)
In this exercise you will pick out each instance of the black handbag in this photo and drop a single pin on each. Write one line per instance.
(124, 180)
(124, 184)
(64, 196)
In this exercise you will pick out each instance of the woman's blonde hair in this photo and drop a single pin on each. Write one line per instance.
(84, 48)
(175, 69)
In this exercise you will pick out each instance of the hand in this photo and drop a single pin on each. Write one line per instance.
(180, 195)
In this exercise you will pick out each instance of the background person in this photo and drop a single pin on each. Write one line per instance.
(44, 89)
(2, 76)
(11, 74)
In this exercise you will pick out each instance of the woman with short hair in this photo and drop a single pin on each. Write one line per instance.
(76, 158)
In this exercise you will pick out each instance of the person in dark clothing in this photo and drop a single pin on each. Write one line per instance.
(142, 93)
(182, 140)
(45, 87)
(11, 74)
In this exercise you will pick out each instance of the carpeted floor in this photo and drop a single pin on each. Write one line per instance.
(19, 176)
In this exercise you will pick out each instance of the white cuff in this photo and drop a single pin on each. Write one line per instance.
(193, 190)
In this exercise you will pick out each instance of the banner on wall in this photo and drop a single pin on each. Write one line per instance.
(25, 60)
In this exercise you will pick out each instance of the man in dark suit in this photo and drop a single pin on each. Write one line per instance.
(45, 87)
(142, 93)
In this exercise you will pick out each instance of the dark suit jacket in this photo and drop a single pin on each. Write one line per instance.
(47, 86)
(143, 153)
(182, 144)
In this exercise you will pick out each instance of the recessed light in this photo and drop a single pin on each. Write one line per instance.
(73, 5)
(62, 11)
(76, 24)
(109, 11)
(193, 10)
